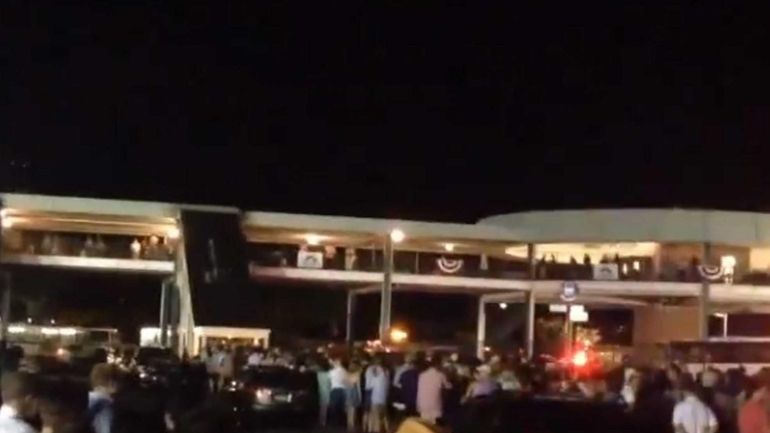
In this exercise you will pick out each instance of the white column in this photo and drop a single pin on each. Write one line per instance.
(530, 335)
(529, 338)
(349, 318)
(481, 329)
(705, 294)
(387, 289)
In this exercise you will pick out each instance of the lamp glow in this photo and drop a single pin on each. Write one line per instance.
(173, 233)
(398, 335)
(7, 222)
(312, 239)
(449, 247)
(396, 235)
(503, 305)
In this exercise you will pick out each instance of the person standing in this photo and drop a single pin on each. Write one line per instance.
(353, 397)
(753, 416)
(430, 386)
(378, 383)
(324, 389)
(255, 359)
(212, 367)
(104, 379)
(226, 367)
(19, 402)
(338, 381)
(691, 415)
(405, 382)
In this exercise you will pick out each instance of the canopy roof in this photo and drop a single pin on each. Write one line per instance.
(648, 225)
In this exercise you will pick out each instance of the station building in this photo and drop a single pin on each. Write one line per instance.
(673, 268)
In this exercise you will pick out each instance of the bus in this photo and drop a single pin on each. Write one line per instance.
(60, 340)
(749, 353)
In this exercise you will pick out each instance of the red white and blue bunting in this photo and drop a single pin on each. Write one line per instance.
(449, 266)
(711, 272)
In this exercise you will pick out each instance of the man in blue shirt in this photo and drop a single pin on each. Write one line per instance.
(104, 378)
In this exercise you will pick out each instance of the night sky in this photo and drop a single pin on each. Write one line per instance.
(387, 109)
(395, 109)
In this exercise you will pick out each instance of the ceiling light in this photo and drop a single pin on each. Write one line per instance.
(7, 223)
(397, 235)
(173, 233)
(312, 239)
(503, 305)
(449, 247)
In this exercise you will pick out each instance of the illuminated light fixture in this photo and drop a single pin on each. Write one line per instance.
(7, 222)
(53, 321)
(449, 247)
(68, 331)
(637, 265)
(396, 235)
(29, 320)
(173, 233)
(580, 358)
(50, 331)
(3, 213)
(136, 247)
(728, 262)
(502, 305)
(17, 329)
(312, 239)
(398, 335)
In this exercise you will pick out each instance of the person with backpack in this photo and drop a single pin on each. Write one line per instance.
(104, 379)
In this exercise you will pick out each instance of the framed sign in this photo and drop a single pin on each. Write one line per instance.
(310, 259)
(569, 291)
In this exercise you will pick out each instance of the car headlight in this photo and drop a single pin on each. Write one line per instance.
(263, 395)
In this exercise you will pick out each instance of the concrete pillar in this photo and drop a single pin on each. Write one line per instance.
(387, 289)
(703, 299)
(165, 292)
(530, 331)
(349, 337)
(481, 329)
(529, 337)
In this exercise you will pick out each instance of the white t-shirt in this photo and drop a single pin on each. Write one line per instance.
(337, 377)
(255, 359)
(11, 423)
(693, 415)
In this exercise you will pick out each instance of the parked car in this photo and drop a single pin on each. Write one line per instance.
(274, 395)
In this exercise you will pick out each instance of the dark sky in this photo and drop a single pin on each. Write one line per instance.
(388, 108)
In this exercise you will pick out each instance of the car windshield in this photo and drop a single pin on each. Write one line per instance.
(148, 355)
(278, 377)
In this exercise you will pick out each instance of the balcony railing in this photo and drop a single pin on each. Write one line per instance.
(467, 265)
(37, 243)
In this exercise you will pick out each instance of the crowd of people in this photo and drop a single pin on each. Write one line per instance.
(364, 392)
(110, 400)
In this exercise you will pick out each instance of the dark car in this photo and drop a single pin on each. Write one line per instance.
(274, 395)
(156, 366)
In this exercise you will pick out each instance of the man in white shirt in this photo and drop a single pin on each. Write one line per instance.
(19, 402)
(691, 415)
(429, 392)
(338, 378)
(256, 357)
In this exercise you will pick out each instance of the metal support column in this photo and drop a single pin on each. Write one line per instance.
(481, 329)
(349, 337)
(705, 294)
(387, 289)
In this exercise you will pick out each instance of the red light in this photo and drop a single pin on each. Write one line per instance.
(580, 358)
